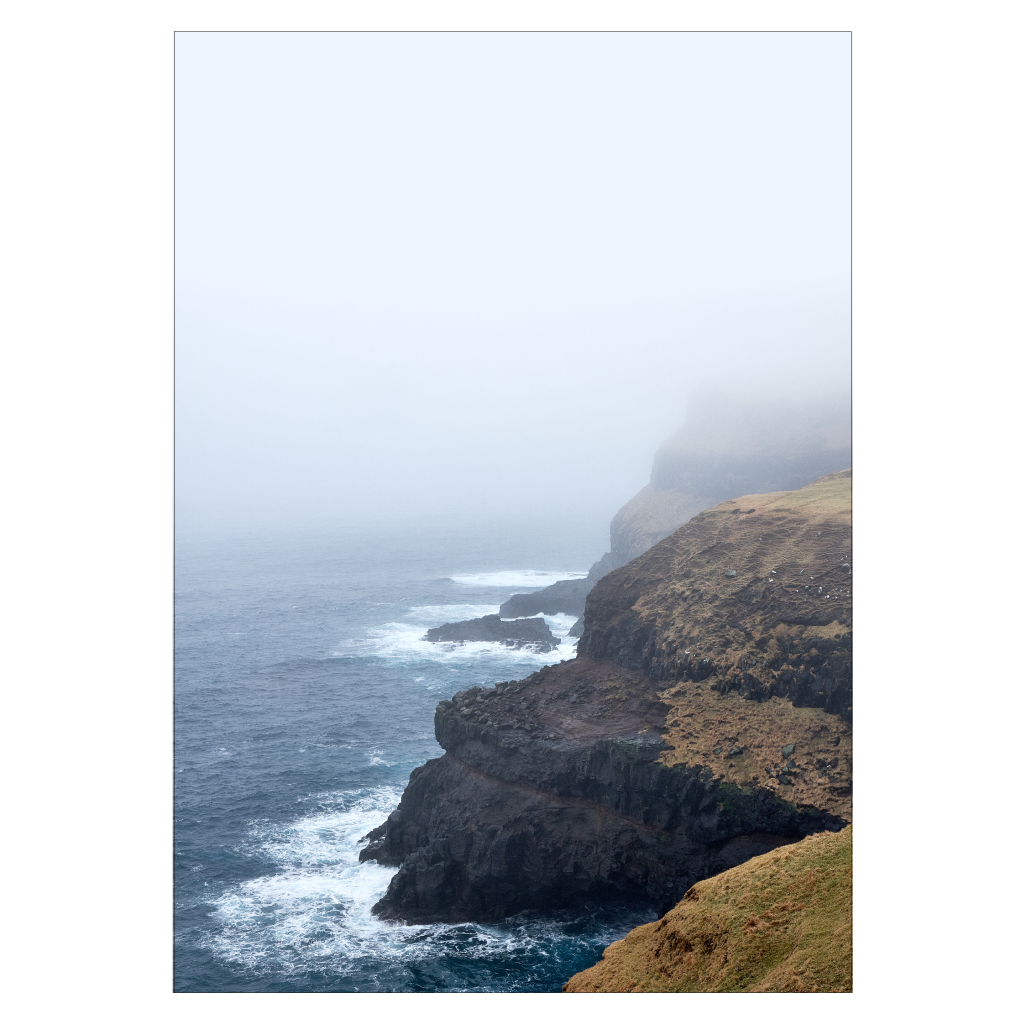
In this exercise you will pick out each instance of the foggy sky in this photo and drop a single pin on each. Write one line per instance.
(421, 272)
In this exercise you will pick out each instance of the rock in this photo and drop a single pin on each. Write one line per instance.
(710, 460)
(580, 810)
(788, 749)
(587, 779)
(705, 462)
(577, 628)
(566, 597)
(733, 751)
(517, 633)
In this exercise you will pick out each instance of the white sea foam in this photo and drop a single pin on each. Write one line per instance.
(515, 578)
(398, 642)
(438, 614)
(317, 902)
(314, 909)
(311, 910)
(403, 642)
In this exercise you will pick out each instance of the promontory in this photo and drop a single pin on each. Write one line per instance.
(706, 719)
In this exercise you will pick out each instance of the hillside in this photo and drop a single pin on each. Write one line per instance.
(731, 444)
(781, 922)
(744, 619)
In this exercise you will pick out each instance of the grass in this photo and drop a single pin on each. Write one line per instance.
(781, 922)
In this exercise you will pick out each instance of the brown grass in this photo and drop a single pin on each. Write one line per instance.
(781, 922)
(780, 547)
(702, 721)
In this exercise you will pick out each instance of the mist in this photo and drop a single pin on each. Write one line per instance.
(425, 274)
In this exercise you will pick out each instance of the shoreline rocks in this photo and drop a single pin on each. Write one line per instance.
(517, 633)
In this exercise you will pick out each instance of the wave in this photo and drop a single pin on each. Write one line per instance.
(527, 578)
(403, 642)
(436, 614)
(310, 913)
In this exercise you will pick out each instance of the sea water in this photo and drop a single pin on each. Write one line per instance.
(304, 697)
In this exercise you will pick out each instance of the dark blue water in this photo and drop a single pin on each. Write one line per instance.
(304, 697)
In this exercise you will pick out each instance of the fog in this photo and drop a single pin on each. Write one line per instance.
(433, 273)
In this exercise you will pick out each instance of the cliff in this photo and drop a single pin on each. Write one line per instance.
(706, 719)
(730, 444)
(733, 444)
(782, 922)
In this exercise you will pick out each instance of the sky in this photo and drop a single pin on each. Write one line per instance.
(425, 273)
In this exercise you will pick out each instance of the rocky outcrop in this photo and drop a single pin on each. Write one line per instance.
(755, 594)
(567, 597)
(518, 633)
(706, 719)
(552, 790)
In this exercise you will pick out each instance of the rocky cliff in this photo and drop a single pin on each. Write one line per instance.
(706, 719)
(733, 444)
(730, 444)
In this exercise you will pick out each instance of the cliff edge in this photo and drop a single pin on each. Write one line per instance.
(782, 922)
(707, 719)
(731, 444)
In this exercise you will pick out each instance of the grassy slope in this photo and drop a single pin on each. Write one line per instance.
(781, 922)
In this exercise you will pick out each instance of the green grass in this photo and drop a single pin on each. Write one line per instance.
(781, 922)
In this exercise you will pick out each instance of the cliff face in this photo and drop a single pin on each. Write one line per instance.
(707, 719)
(731, 444)
(756, 593)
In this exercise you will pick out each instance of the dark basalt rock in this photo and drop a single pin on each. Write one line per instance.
(551, 791)
(596, 776)
(517, 633)
(566, 597)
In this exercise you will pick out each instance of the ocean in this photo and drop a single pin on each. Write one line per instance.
(304, 696)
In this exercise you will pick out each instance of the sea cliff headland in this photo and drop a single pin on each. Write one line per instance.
(732, 443)
(706, 719)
